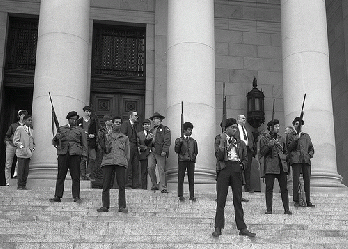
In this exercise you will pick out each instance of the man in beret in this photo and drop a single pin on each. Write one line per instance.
(130, 129)
(273, 150)
(232, 155)
(71, 144)
(90, 124)
(144, 152)
(159, 142)
(301, 150)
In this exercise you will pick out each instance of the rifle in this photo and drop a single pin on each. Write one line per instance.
(273, 134)
(54, 116)
(182, 119)
(298, 129)
(223, 123)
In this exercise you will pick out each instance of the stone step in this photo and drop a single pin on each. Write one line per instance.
(156, 220)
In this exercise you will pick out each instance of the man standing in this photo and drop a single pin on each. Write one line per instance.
(301, 151)
(144, 152)
(231, 153)
(130, 129)
(248, 138)
(11, 148)
(273, 149)
(115, 146)
(90, 125)
(159, 142)
(71, 144)
(24, 141)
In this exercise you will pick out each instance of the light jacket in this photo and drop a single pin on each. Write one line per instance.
(24, 141)
(116, 149)
(162, 140)
(186, 149)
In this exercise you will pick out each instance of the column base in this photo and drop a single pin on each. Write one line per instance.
(39, 171)
(323, 182)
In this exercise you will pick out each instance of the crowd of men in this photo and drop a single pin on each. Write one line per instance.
(131, 153)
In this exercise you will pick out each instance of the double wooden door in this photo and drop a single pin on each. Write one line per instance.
(117, 105)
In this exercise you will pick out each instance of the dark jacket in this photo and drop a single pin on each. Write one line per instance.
(221, 153)
(162, 140)
(186, 149)
(144, 150)
(116, 149)
(70, 139)
(274, 156)
(301, 149)
(10, 132)
(92, 129)
(130, 131)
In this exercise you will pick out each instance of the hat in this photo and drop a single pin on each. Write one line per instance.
(157, 115)
(270, 123)
(87, 108)
(229, 122)
(72, 114)
(21, 112)
(107, 117)
(297, 119)
(146, 121)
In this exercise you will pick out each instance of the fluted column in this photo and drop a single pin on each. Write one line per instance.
(62, 69)
(191, 79)
(306, 69)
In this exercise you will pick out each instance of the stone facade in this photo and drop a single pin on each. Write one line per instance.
(247, 45)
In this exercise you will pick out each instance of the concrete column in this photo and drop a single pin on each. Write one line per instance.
(62, 69)
(306, 69)
(191, 79)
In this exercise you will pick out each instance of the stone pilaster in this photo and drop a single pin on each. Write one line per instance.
(62, 69)
(306, 70)
(191, 79)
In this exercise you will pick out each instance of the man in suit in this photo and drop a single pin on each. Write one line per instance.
(144, 152)
(71, 144)
(130, 129)
(231, 152)
(159, 142)
(248, 138)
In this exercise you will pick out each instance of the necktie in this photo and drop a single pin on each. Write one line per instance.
(245, 135)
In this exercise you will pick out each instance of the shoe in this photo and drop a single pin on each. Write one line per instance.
(164, 191)
(181, 198)
(123, 210)
(15, 174)
(77, 200)
(246, 232)
(217, 232)
(296, 204)
(193, 199)
(7, 184)
(19, 188)
(154, 188)
(55, 199)
(268, 212)
(244, 200)
(288, 212)
(103, 209)
(24, 188)
(310, 204)
(251, 191)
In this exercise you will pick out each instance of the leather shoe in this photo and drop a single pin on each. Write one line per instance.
(181, 198)
(193, 199)
(154, 188)
(251, 191)
(244, 200)
(164, 191)
(123, 210)
(288, 212)
(217, 232)
(246, 232)
(296, 204)
(55, 199)
(77, 200)
(310, 204)
(103, 209)
(268, 212)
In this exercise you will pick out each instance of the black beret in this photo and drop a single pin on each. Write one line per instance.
(146, 121)
(107, 118)
(72, 114)
(297, 119)
(187, 125)
(229, 122)
(270, 123)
